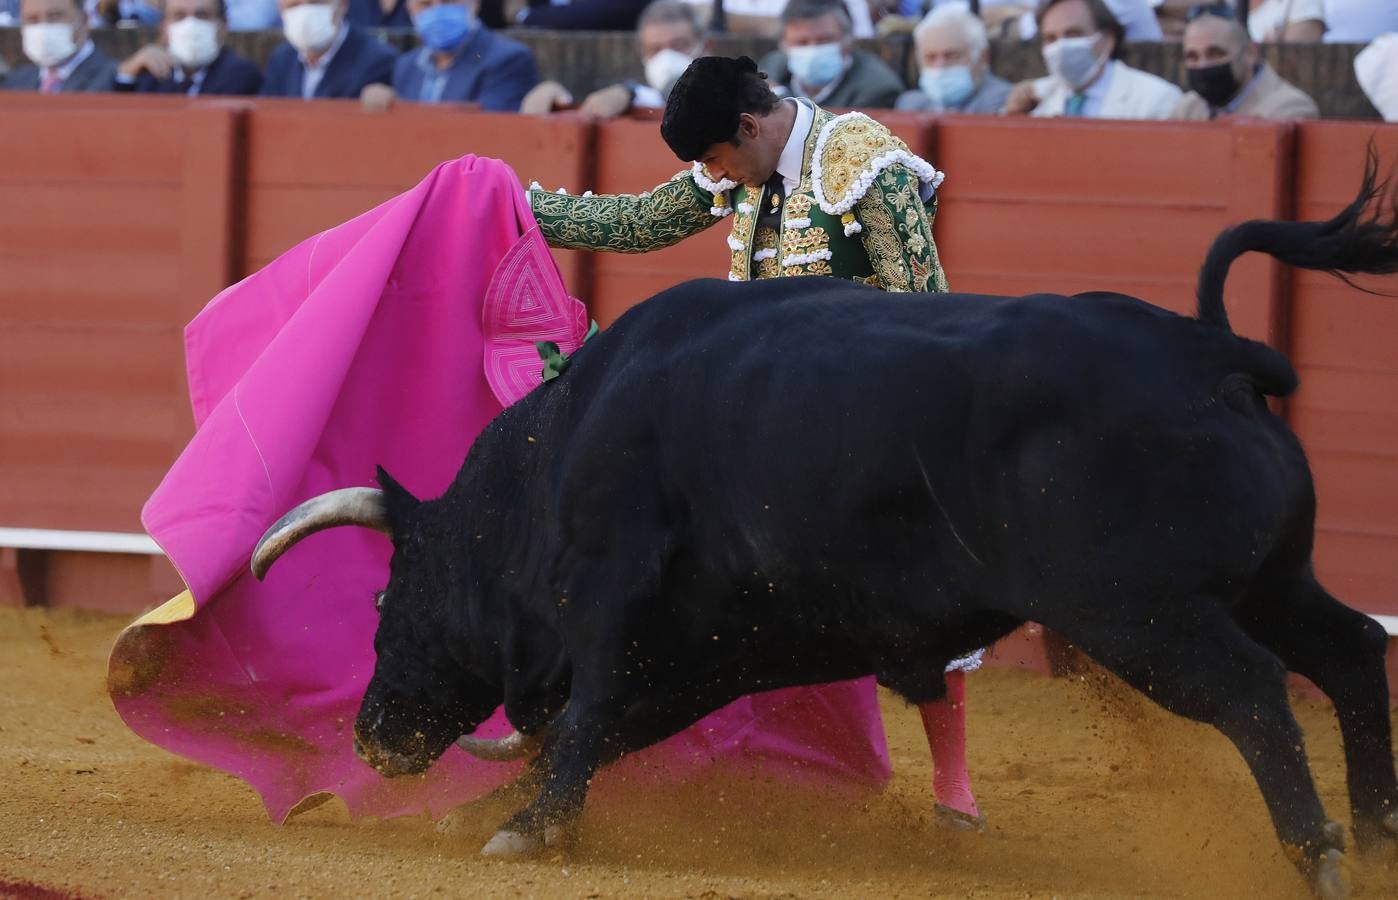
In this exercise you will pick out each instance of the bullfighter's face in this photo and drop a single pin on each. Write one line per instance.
(422, 696)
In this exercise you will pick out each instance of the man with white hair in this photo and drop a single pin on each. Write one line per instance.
(953, 52)
(1227, 78)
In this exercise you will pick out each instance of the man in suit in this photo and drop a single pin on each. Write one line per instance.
(191, 57)
(54, 36)
(460, 61)
(668, 39)
(580, 15)
(817, 59)
(1226, 77)
(1081, 42)
(324, 56)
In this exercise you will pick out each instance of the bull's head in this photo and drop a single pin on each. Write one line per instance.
(422, 696)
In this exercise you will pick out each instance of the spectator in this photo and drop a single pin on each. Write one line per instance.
(1136, 17)
(764, 16)
(953, 53)
(1359, 21)
(1081, 44)
(1286, 21)
(581, 15)
(53, 34)
(460, 61)
(817, 59)
(669, 39)
(1376, 68)
(324, 56)
(375, 14)
(192, 57)
(253, 15)
(1227, 78)
(108, 13)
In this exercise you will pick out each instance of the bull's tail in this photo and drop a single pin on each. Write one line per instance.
(1351, 243)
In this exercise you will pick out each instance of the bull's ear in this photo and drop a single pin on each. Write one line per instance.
(397, 499)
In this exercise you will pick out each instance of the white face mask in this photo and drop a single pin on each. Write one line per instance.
(665, 67)
(193, 42)
(1073, 60)
(310, 27)
(48, 44)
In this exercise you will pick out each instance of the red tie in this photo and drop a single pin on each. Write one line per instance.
(50, 83)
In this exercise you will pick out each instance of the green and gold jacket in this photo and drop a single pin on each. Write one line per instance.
(857, 213)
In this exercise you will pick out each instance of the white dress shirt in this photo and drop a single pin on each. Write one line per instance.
(314, 74)
(789, 163)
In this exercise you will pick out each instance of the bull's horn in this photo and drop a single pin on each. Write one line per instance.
(511, 747)
(347, 506)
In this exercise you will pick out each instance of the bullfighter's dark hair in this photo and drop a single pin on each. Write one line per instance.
(707, 100)
(1102, 17)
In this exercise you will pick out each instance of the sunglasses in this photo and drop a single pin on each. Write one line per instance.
(1221, 10)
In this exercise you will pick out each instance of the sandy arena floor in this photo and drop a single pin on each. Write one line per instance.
(1090, 793)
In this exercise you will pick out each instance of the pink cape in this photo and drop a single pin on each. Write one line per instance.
(393, 339)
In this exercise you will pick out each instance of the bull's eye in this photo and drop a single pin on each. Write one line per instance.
(378, 601)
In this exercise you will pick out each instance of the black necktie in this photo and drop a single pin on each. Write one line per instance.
(773, 195)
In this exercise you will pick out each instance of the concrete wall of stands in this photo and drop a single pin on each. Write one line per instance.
(121, 217)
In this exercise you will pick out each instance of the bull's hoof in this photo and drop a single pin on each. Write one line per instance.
(957, 820)
(1330, 882)
(512, 843)
(561, 837)
(1334, 836)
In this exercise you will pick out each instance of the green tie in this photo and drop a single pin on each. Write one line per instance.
(1075, 104)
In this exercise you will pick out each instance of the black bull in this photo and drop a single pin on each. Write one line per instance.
(744, 487)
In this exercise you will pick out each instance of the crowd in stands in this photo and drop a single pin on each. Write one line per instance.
(461, 56)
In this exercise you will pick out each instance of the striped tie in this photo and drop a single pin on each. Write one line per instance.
(50, 82)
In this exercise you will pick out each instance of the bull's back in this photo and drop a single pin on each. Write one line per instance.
(810, 411)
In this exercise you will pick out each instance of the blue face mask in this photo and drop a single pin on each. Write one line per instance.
(445, 26)
(817, 65)
(947, 87)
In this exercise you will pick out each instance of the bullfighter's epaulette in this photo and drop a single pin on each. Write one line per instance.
(850, 152)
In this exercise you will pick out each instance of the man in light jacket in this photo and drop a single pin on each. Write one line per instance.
(1226, 77)
(1081, 42)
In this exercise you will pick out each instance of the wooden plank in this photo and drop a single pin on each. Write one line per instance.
(94, 288)
(1343, 408)
(1362, 570)
(1030, 160)
(1356, 492)
(297, 144)
(56, 362)
(1335, 325)
(110, 216)
(90, 145)
(1105, 242)
(278, 218)
(1258, 168)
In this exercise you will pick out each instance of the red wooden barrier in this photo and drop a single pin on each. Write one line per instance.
(1345, 345)
(312, 166)
(119, 219)
(1067, 206)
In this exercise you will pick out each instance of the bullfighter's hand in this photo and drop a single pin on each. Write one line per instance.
(151, 58)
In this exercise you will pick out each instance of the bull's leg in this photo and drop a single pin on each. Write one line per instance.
(1195, 661)
(568, 763)
(1342, 651)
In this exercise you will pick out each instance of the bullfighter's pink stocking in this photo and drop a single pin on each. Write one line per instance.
(945, 723)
